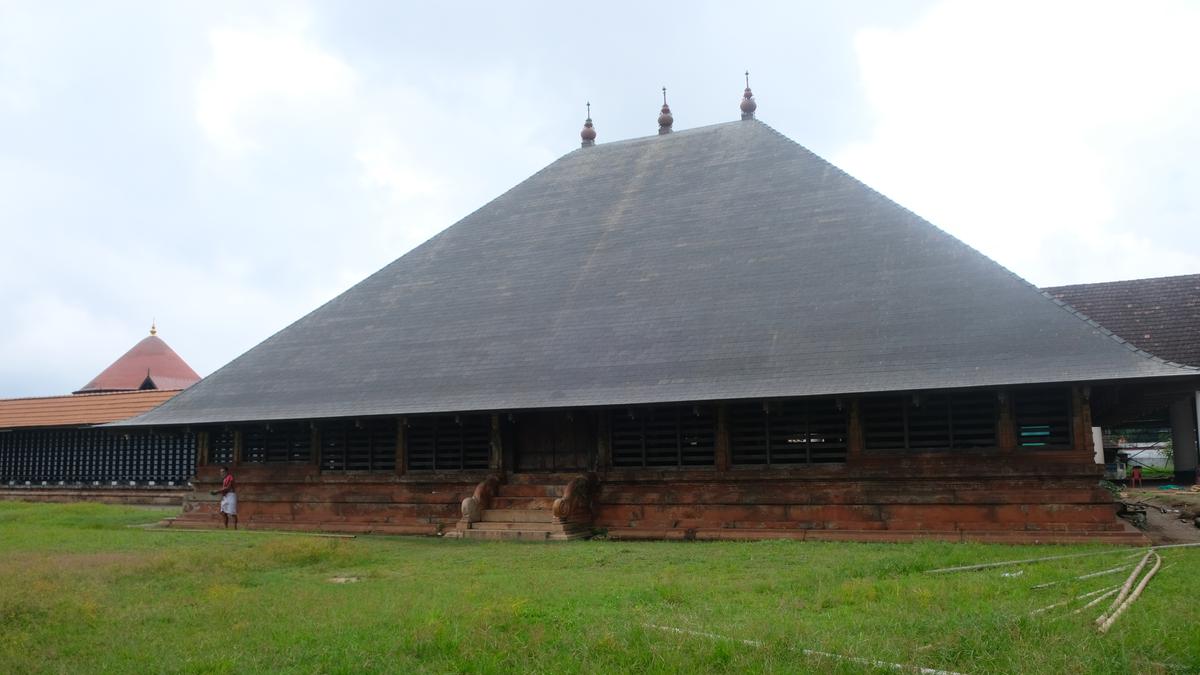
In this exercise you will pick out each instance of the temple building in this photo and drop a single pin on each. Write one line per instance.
(1162, 316)
(698, 334)
(53, 447)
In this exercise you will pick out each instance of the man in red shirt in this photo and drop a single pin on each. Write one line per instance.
(228, 497)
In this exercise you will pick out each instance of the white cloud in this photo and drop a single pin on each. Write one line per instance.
(1023, 129)
(258, 76)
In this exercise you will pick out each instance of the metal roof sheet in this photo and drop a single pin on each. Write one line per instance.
(722, 262)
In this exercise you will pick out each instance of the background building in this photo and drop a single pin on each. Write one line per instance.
(54, 447)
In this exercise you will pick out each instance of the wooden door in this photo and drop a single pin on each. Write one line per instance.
(554, 440)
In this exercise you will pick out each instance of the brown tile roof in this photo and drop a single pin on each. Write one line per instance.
(1161, 315)
(79, 409)
(151, 359)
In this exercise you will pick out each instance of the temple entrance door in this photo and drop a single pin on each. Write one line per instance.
(554, 440)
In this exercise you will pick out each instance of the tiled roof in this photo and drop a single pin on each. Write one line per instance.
(1160, 315)
(149, 359)
(78, 409)
(725, 262)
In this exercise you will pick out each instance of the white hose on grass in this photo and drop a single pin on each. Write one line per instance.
(1098, 600)
(810, 652)
(1068, 601)
(966, 568)
(1084, 576)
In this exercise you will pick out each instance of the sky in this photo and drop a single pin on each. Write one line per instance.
(223, 168)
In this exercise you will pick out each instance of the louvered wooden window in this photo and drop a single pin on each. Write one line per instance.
(662, 436)
(805, 431)
(364, 445)
(277, 442)
(1043, 418)
(449, 442)
(93, 456)
(220, 446)
(941, 421)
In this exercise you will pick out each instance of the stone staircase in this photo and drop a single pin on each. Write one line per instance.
(523, 509)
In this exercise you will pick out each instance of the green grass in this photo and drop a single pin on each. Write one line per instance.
(82, 592)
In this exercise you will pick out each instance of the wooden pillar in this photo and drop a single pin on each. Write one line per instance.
(1085, 421)
(855, 437)
(314, 445)
(496, 460)
(1081, 435)
(603, 460)
(237, 446)
(202, 451)
(1183, 439)
(1006, 425)
(401, 446)
(724, 457)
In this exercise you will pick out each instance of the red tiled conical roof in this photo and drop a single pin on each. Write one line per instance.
(151, 364)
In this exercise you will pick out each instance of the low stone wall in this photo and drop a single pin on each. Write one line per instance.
(142, 496)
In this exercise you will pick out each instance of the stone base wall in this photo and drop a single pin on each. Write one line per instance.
(1051, 497)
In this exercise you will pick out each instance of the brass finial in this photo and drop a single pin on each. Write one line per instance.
(665, 119)
(153, 327)
(748, 105)
(589, 133)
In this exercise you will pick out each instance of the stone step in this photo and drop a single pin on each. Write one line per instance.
(505, 525)
(542, 478)
(527, 535)
(517, 516)
(530, 490)
(526, 503)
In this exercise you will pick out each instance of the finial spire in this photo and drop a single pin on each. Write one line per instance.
(153, 327)
(588, 134)
(748, 105)
(665, 120)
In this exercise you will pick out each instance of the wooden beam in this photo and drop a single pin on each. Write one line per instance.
(237, 446)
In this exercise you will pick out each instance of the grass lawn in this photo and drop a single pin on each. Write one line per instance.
(82, 592)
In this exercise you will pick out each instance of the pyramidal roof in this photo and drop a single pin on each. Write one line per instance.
(722, 262)
(150, 364)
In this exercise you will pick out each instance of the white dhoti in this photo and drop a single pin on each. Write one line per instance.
(229, 503)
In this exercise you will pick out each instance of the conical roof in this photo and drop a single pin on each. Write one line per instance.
(722, 262)
(151, 364)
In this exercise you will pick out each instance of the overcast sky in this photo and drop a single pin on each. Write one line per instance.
(227, 167)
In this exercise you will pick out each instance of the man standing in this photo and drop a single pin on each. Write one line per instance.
(228, 497)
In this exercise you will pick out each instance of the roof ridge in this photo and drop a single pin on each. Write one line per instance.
(1122, 281)
(1062, 305)
(652, 137)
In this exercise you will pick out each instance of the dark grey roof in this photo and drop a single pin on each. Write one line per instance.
(717, 263)
(1160, 315)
